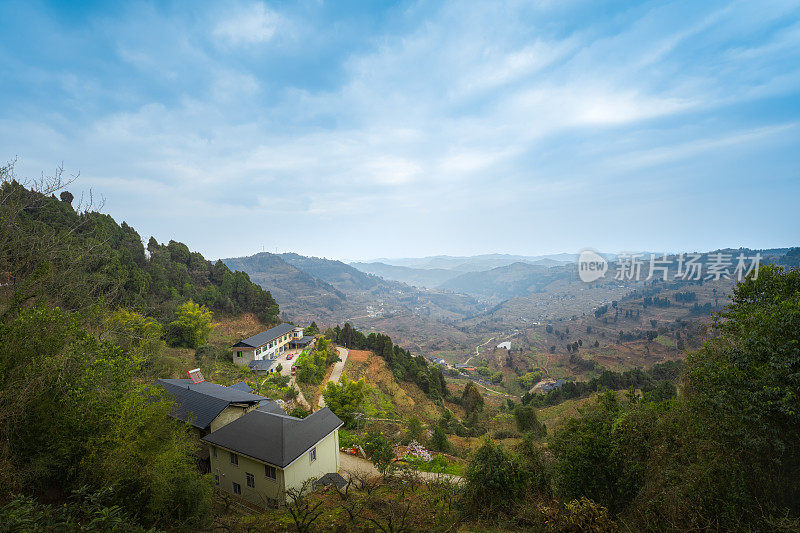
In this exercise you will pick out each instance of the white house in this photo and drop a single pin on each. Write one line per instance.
(265, 345)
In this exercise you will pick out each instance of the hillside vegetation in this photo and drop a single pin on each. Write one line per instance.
(82, 258)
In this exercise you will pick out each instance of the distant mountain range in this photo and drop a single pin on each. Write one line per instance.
(437, 271)
(330, 291)
(476, 263)
(441, 302)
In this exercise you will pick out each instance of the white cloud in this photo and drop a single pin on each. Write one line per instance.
(251, 24)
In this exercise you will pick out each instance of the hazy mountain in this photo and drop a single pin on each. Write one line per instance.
(476, 263)
(297, 292)
(342, 276)
(419, 277)
(510, 281)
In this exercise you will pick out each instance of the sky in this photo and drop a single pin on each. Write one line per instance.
(378, 129)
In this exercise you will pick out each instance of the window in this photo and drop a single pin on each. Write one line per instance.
(216, 479)
(214, 451)
(238, 354)
(237, 489)
(251, 480)
(271, 472)
(234, 459)
(312, 455)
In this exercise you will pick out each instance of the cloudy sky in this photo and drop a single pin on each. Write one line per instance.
(359, 130)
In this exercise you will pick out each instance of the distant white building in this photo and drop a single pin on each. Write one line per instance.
(506, 345)
(266, 345)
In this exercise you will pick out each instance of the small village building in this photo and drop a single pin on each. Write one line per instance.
(302, 342)
(207, 406)
(546, 385)
(265, 366)
(263, 454)
(265, 345)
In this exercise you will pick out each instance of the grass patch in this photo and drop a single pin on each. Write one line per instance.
(666, 341)
(437, 465)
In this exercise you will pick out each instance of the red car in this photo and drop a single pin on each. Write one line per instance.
(289, 357)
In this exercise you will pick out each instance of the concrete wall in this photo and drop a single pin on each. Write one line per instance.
(265, 488)
(248, 355)
(327, 461)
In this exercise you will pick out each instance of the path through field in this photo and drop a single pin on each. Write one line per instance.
(336, 373)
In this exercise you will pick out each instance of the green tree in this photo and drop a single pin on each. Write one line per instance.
(413, 430)
(527, 421)
(137, 335)
(494, 481)
(733, 457)
(380, 450)
(345, 399)
(78, 418)
(439, 440)
(471, 398)
(192, 325)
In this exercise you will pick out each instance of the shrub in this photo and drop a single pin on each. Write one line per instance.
(191, 327)
(494, 482)
(527, 421)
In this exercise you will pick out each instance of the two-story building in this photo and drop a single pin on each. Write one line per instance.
(265, 345)
(207, 406)
(263, 454)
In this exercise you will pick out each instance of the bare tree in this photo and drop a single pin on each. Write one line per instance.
(349, 500)
(392, 515)
(36, 259)
(303, 509)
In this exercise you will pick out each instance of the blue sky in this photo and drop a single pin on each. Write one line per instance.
(360, 130)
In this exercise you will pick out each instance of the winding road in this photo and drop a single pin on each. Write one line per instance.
(336, 373)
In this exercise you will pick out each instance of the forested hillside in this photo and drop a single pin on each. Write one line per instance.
(76, 258)
(85, 315)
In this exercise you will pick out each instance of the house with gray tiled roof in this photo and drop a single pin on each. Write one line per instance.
(265, 345)
(263, 454)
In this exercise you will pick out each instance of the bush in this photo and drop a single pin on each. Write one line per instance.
(209, 352)
(380, 450)
(345, 399)
(527, 421)
(494, 482)
(192, 325)
(299, 412)
(439, 440)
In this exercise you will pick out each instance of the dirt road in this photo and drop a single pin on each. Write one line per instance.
(336, 373)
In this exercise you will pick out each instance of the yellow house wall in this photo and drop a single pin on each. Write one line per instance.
(292, 477)
(229, 474)
(327, 461)
(228, 415)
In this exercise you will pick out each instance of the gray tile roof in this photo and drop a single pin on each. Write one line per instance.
(200, 403)
(302, 341)
(264, 337)
(242, 386)
(331, 478)
(271, 406)
(262, 365)
(274, 438)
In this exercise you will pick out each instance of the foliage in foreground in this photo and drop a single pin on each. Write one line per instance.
(72, 415)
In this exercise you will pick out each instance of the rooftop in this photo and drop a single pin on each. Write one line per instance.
(274, 438)
(200, 403)
(262, 365)
(264, 337)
